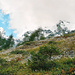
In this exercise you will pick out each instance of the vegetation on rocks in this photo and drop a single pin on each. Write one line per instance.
(39, 57)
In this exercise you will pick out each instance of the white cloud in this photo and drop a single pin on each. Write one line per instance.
(30, 14)
(2, 30)
(2, 33)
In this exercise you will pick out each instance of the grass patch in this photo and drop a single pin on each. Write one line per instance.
(68, 35)
(33, 49)
(64, 66)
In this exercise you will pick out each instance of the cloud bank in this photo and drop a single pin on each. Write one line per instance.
(30, 14)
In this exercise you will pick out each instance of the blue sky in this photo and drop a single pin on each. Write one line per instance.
(4, 23)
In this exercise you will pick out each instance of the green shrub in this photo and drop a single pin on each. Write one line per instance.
(19, 44)
(49, 50)
(39, 61)
(2, 60)
(19, 52)
(10, 68)
(24, 43)
(52, 42)
(67, 61)
(28, 43)
(42, 38)
(0, 49)
(73, 60)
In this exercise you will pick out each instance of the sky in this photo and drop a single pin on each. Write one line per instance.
(20, 16)
(4, 24)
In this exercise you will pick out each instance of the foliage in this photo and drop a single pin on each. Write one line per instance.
(29, 43)
(52, 42)
(2, 42)
(39, 61)
(2, 60)
(42, 37)
(9, 42)
(36, 33)
(18, 44)
(68, 35)
(49, 50)
(19, 52)
(6, 43)
(26, 43)
(26, 36)
(53, 67)
(10, 68)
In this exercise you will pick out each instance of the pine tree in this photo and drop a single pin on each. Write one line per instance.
(9, 42)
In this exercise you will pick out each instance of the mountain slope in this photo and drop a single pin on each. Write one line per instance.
(17, 58)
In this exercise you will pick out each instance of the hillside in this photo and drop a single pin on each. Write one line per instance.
(64, 43)
(17, 58)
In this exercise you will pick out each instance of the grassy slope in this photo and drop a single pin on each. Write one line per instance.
(64, 43)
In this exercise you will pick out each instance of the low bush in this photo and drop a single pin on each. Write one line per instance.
(10, 68)
(49, 50)
(67, 61)
(42, 38)
(52, 42)
(2, 60)
(19, 52)
(39, 61)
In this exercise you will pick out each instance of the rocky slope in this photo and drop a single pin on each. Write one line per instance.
(65, 43)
